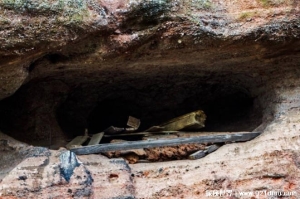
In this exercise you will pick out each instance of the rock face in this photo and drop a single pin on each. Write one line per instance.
(267, 163)
(66, 65)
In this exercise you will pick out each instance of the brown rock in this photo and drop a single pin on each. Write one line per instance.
(66, 60)
(255, 164)
(68, 66)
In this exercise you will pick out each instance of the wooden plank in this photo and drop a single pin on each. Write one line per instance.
(202, 153)
(162, 134)
(113, 130)
(133, 122)
(168, 142)
(193, 120)
(212, 148)
(159, 133)
(77, 141)
(205, 133)
(197, 155)
(126, 134)
(96, 138)
(167, 134)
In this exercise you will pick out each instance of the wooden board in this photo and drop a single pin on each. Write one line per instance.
(77, 141)
(212, 148)
(237, 137)
(162, 134)
(114, 130)
(197, 155)
(166, 134)
(202, 153)
(96, 138)
(193, 120)
(133, 122)
(127, 134)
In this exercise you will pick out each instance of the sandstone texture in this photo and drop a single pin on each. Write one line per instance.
(68, 65)
(267, 163)
(76, 63)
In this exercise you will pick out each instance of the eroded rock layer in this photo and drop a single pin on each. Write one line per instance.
(66, 65)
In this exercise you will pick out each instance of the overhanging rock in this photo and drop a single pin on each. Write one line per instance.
(64, 64)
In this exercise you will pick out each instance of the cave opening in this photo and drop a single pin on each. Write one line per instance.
(233, 112)
(46, 112)
(228, 108)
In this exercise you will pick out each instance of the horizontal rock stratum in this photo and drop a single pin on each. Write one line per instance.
(64, 64)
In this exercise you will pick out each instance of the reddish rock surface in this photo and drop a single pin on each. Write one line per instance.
(158, 153)
(66, 65)
(267, 163)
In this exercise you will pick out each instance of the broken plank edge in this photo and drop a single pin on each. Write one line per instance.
(96, 138)
(202, 153)
(79, 140)
(197, 155)
(99, 148)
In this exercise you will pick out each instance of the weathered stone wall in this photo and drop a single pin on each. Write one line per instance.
(267, 163)
(60, 60)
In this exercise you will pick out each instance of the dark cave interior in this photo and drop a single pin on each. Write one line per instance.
(45, 106)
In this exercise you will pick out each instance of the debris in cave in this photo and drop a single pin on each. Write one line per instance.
(191, 121)
(77, 141)
(132, 122)
(201, 153)
(96, 138)
(158, 143)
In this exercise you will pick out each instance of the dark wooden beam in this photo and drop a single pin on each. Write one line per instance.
(162, 134)
(99, 148)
